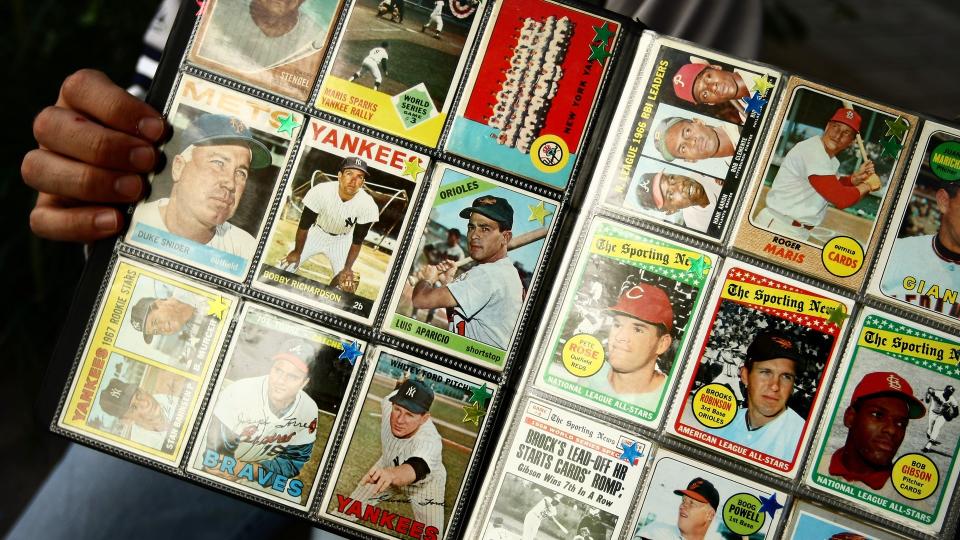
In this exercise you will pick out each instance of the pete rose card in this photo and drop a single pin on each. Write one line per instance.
(811, 521)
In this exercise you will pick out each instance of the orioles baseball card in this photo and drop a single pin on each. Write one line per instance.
(410, 449)
(625, 321)
(689, 131)
(343, 213)
(888, 443)
(146, 362)
(832, 166)
(811, 521)
(207, 207)
(281, 391)
(532, 95)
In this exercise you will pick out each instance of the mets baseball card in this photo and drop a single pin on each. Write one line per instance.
(277, 46)
(888, 442)
(625, 321)
(396, 65)
(343, 213)
(410, 449)
(280, 393)
(146, 362)
(468, 278)
(207, 207)
(810, 521)
(688, 134)
(832, 166)
(530, 98)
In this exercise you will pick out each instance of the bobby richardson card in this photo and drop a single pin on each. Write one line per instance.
(810, 521)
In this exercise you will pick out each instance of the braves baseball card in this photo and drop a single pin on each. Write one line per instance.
(207, 207)
(146, 362)
(832, 166)
(410, 449)
(277, 46)
(688, 134)
(532, 95)
(625, 321)
(888, 443)
(344, 211)
(810, 521)
(468, 278)
(281, 390)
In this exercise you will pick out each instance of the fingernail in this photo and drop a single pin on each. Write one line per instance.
(105, 221)
(141, 158)
(127, 186)
(151, 128)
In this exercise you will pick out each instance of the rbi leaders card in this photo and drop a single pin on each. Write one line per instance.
(146, 362)
(811, 521)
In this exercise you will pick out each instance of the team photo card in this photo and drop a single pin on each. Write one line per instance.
(810, 521)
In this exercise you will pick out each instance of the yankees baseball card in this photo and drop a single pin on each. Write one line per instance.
(532, 95)
(146, 362)
(277, 46)
(688, 134)
(887, 441)
(280, 393)
(811, 521)
(410, 448)
(343, 213)
(396, 69)
(624, 322)
(925, 227)
(207, 207)
(826, 184)
(468, 278)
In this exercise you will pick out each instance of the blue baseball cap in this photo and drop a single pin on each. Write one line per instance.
(210, 129)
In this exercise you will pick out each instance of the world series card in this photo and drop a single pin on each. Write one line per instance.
(343, 213)
(625, 322)
(530, 98)
(146, 363)
(811, 521)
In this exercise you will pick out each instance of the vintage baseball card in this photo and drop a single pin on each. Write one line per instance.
(811, 521)
(279, 396)
(919, 267)
(410, 448)
(625, 321)
(277, 46)
(832, 166)
(530, 98)
(468, 277)
(690, 129)
(146, 362)
(343, 213)
(396, 69)
(207, 207)
(887, 441)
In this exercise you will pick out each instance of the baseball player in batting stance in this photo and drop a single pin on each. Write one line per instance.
(374, 62)
(943, 408)
(436, 19)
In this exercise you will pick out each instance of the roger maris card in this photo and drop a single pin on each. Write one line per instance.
(410, 448)
(811, 521)
(146, 362)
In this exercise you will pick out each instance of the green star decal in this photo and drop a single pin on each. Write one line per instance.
(412, 168)
(473, 413)
(761, 84)
(288, 124)
(837, 316)
(602, 34)
(599, 53)
(891, 147)
(896, 128)
(538, 212)
(480, 394)
(698, 266)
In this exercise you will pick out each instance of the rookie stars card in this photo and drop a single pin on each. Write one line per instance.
(811, 521)
(529, 99)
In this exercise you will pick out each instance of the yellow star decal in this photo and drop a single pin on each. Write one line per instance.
(412, 168)
(473, 413)
(538, 212)
(761, 84)
(217, 307)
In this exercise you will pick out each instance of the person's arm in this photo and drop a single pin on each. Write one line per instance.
(425, 295)
(359, 234)
(846, 191)
(289, 462)
(383, 478)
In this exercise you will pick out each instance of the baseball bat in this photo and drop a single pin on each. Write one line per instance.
(873, 178)
(516, 242)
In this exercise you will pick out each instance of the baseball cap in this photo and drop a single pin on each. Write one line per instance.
(648, 303)
(138, 317)
(353, 162)
(684, 79)
(888, 383)
(847, 117)
(209, 129)
(644, 190)
(770, 345)
(660, 136)
(299, 352)
(701, 490)
(495, 208)
(116, 397)
(413, 396)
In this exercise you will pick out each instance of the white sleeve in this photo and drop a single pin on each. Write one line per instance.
(314, 198)
(230, 404)
(475, 290)
(370, 213)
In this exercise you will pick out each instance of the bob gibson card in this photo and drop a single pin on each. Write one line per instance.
(530, 98)
(823, 192)
(811, 521)
(207, 207)
(410, 448)
(343, 213)
(146, 363)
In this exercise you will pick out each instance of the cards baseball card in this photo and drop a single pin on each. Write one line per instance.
(811, 521)
(146, 363)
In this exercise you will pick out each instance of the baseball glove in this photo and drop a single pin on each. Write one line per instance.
(950, 412)
(346, 281)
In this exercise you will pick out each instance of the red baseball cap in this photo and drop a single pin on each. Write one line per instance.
(888, 383)
(683, 81)
(648, 303)
(848, 117)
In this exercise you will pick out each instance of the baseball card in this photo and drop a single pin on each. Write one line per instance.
(468, 278)
(690, 129)
(410, 448)
(751, 386)
(207, 207)
(888, 442)
(396, 69)
(624, 322)
(280, 394)
(277, 46)
(146, 362)
(343, 213)
(811, 521)
(925, 227)
(531, 96)
(823, 191)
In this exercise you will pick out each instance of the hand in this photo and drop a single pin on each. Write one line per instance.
(429, 273)
(292, 258)
(863, 173)
(447, 270)
(385, 478)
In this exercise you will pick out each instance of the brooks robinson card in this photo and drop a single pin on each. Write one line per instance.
(146, 363)
(811, 521)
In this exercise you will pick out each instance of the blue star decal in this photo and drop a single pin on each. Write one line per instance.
(755, 103)
(631, 453)
(351, 351)
(770, 505)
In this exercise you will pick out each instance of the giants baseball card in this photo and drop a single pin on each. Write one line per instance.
(410, 449)
(146, 363)
(344, 211)
(207, 207)
(811, 521)
(281, 391)
(530, 98)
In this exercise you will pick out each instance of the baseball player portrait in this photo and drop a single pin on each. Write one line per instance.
(691, 197)
(693, 139)
(943, 407)
(375, 62)
(151, 416)
(724, 91)
(545, 508)
(697, 511)
(435, 19)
